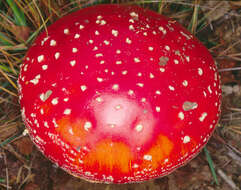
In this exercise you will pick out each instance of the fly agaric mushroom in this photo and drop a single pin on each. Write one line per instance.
(119, 94)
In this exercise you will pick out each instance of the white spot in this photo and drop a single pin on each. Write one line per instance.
(187, 105)
(176, 61)
(35, 80)
(181, 115)
(114, 32)
(95, 48)
(87, 125)
(135, 166)
(99, 55)
(130, 92)
(56, 55)
(55, 101)
(186, 139)
(139, 127)
(81, 27)
(25, 68)
(166, 160)
(76, 36)
(25, 132)
(117, 107)
(66, 99)
(45, 67)
(185, 35)
(83, 87)
(131, 20)
(112, 125)
(133, 14)
(46, 124)
(128, 40)
(187, 58)
(203, 116)
(143, 100)
(102, 22)
(74, 50)
(171, 88)
(147, 157)
(118, 51)
(158, 109)
(205, 94)
(136, 60)
(67, 111)
(150, 48)
(131, 27)
(158, 92)
(162, 70)
(185, 83)
(162, 29)
(152, 76)
(140, 84)
(99, 79)
(106, 42)
(72, 63)
(99, 17)
(45, 96)
(99, 99)
(40, 58)
(44, 40)
(91, 41)
(209, 89)
(139, 74)
(52, 43)
(66, 31)
(200, 71)
(118, 62)
(102, 62)
(167, 48)
(115, 87)
(124, 72)
(71, 131)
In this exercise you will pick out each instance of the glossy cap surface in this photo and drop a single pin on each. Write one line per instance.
(119, 94)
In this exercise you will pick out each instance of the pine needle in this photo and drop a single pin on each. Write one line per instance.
(193, 24)
(211, 165)
(8, 91)
(18, 14)
(9, 80)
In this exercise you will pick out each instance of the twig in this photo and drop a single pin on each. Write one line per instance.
(6, 76)
(224, 52)
(234, 154)
(228, 180)
(17, 155)
(6, 165)
(41, 16)
(229, 69)
(5, 186)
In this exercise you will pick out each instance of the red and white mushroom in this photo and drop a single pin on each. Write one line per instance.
(119, 94)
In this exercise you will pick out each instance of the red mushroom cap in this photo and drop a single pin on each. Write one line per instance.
(119, 94)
